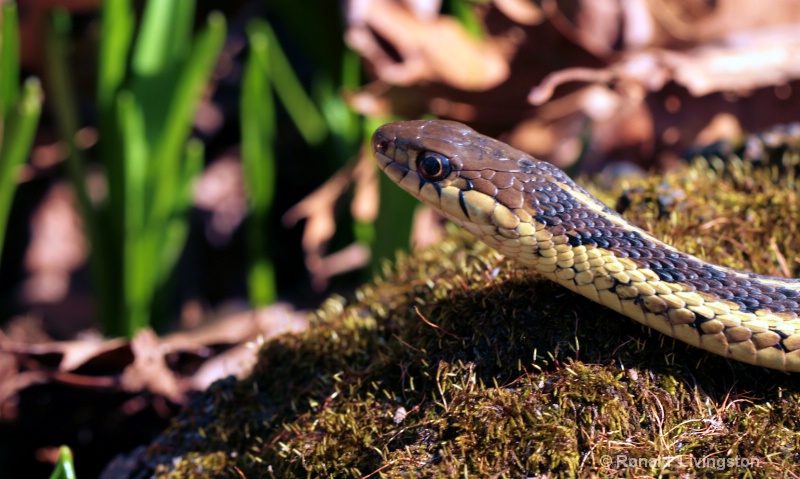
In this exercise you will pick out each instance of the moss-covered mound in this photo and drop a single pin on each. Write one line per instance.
(458, 364)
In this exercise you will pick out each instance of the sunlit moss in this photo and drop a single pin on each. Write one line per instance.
(456, 364)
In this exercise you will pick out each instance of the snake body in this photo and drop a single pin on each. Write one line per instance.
(535, 214)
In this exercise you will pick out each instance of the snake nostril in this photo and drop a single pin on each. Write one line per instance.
(383, 145)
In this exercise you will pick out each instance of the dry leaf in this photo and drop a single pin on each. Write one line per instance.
(520, 11)
(700, 21)
(743, 62)
(318, 209)
(141, 364)
(423, 47)
(149, 369)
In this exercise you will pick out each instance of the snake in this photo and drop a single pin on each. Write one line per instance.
(533, 213)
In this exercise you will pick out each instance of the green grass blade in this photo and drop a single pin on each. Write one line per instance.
(159, 57)
(177, 228)
(65, 467)
(305, 115)
(466, 14)
(62, 100)
(164, 36)
(9, 59)
(137, 279)
(115, 43)
(15, 147)
(177, 126)
(21, 123)
(345, 125)
(258, 161)
(116, 35)
(134, 151)
(393, 225)
(351, 70)
(172, 237)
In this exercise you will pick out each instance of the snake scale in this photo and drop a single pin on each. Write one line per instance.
(533, 213)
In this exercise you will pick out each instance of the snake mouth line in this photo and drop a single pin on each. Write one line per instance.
(393, 169)
(383, 160)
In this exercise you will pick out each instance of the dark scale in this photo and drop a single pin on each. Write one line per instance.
(698, 322)
(557, 207)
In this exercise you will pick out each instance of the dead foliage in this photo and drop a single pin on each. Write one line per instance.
(632, 71)
(170, 366)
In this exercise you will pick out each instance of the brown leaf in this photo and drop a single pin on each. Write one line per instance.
(520, 11)
(744, 62)
(149, 369)
(318, 209)
(141, 364)
(237, 328)
(72, 355)
(700, 21)
(423, 47)
(365, 180)
(590, 33)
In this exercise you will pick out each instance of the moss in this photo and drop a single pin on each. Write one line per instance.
(454, 363)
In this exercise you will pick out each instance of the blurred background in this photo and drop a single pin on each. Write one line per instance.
(182, 179)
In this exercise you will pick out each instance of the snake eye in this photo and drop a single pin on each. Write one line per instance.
(433, 166)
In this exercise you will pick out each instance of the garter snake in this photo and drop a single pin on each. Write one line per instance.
(533, 213)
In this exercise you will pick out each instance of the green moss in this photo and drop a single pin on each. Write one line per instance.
(457, 364)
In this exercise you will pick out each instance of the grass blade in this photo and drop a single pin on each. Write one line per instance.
(161, 49)
(115, 43)
(62, 99)
(258, 160)
(169, 150)
(116, 35)
(177, 228)
(466, 14)
(345, 125)
(136, 277)
(164, 37)
(298, 104)
(63, 102)
(20, 128)
(65, 467)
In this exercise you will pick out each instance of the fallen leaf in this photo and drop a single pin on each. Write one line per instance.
(423, 47)
(318, 209)
(149, 369)
(141, 364)
(520, 11)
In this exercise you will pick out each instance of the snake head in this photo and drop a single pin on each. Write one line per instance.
(466, 176)
(485, 186)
